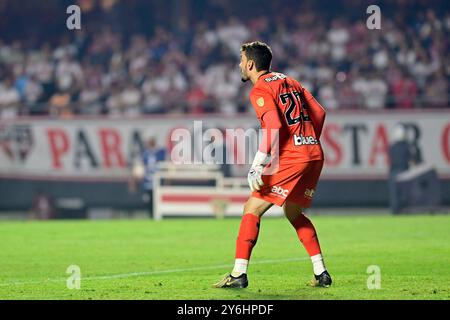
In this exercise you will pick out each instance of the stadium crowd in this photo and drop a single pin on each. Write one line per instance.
(194, 68)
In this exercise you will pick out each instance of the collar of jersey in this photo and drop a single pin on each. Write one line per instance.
(264, 74)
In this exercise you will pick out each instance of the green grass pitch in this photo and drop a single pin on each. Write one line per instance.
(182, 258)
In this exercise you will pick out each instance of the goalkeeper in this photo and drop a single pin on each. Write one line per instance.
(292, 120)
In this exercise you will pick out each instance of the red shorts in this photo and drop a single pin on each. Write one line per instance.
(292, 182)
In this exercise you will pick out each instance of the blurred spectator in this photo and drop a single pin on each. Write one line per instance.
(436, 94)
(404, 91)
(9, 99)
(43, 207)
(328, 96)
(376, 92)
(59, 104)
(400, 161)
(131, 100)
(144, 170)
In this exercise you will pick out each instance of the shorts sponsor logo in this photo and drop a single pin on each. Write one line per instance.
(309, 193)
(302, 140)
(279, 191)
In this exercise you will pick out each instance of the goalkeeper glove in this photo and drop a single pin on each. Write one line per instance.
(254, 178)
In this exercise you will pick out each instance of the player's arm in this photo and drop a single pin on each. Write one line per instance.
(316, 112)
(273, 124)
(267, 113)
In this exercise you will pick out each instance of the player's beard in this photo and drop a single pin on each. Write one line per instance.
(244, 77)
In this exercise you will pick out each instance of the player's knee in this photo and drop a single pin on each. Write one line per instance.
(304, 221)
(305, 218)
(254, 208)
(292, 213)
(298, 219)
(257, 211)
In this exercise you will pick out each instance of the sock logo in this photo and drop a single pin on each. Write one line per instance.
(280, 191)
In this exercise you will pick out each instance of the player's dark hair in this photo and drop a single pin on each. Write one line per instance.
(260, 53)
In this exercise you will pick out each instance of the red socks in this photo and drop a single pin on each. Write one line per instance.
(307, 234)
(248, 235)
(249, 230)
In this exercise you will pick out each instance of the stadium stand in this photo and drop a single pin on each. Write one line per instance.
(128, 60)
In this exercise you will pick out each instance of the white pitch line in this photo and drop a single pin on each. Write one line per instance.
(147, 273)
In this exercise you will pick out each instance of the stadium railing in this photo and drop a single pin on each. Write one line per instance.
(197, 190)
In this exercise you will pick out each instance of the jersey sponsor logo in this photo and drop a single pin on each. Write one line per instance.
(302, 140)
(277, 76)
(280, 191)
(309, 193)
(260, 102)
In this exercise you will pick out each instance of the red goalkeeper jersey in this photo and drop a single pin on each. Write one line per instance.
(298, 137)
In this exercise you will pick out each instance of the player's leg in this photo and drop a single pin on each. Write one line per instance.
(298, 199)
(305, 229)
(246, 240)
(307, 235)
(275, 190)
(248, 233)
